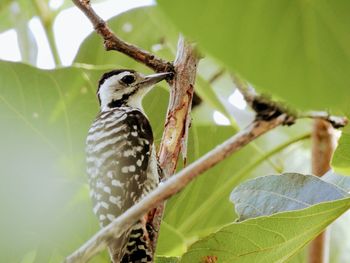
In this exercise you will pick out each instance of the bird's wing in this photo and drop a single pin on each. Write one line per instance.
(119, 146)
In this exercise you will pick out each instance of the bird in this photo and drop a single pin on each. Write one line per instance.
(121, 159)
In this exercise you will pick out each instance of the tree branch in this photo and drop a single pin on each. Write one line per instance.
(172, 186)
(112, 42)
(323, 146)
(178, 120)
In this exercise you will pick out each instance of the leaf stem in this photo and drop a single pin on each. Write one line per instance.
(52, 44)
(46, 17)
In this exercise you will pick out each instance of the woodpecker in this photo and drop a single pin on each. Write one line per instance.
(121, 160)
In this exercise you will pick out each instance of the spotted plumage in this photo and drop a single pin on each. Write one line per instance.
(121, 162)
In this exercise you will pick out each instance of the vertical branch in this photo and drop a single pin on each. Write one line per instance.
(323, 146)
(178, 120)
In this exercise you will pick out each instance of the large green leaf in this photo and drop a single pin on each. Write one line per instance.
(45, 116)
(277, 193)
(287, 192)
(265, 196)
(298, 50)
(268, 239)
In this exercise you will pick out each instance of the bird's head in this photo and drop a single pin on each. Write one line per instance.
(125, 87)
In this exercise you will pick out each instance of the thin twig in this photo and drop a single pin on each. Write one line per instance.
(172, 186)
(265, 108)
(262, 103)
(112, 42)
(216, 75)
(247, 91)
(335, 121)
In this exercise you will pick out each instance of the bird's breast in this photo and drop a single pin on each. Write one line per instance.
(120, 160)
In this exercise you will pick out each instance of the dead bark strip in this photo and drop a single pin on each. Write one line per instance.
(178, 119)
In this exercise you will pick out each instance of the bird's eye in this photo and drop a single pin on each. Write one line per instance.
(128, 79)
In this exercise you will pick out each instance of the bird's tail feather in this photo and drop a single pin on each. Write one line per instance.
(137, 246)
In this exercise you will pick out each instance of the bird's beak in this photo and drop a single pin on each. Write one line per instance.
(154, 78)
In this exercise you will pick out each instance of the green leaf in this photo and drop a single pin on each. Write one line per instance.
(277, 193)
(167, 260)
(170, 242)
(45, 116)
(273, 238)
(29, 257)
(298, 50)
(10, 10)
(341, 157)
(4, 4)
(5, 14)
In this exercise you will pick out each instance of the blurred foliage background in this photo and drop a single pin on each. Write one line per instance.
(45, 115)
